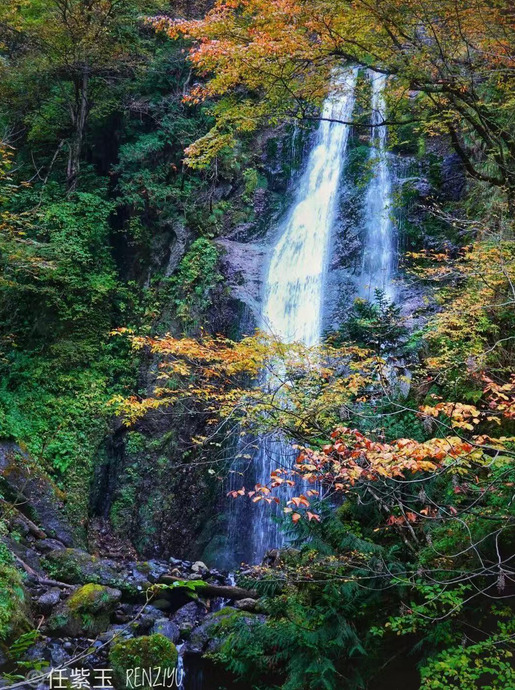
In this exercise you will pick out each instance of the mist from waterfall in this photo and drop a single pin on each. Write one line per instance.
(379, 245)
(294, 288)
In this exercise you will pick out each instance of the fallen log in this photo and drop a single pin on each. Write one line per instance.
(31, 526)
(39, 578)
(207, 589)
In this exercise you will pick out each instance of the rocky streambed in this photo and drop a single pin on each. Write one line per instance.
(78, 616)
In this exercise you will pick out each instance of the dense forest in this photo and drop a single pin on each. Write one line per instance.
(188, 484)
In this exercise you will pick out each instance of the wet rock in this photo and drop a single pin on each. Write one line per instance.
(148, 652)
(126, 612)
(246, 604)
(116, 633)
(147, 619)
(243, 267)
(168, 628)
(153, 569)
(198, 639)
(48, 600)
(206, 637)
(199, 567)
(58, 655)
(87, 612)
(189, 616)
(217, 575)
(78, 567)
(26, 484)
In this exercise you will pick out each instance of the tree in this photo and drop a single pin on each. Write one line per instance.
(67, 52)
(306, 392)
(402, 544)
(376, 324)
(451, 61)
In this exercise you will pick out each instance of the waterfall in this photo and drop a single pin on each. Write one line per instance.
(379, 250)
(294, 288)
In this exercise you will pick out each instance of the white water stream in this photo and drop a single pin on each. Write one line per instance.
(294, 292)
(294, 288)
(379, 251)
(295, 284)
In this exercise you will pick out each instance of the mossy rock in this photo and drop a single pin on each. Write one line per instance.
(79, 567)
(226, 611)
(14, 612)
(87, 612)
(147, 652)
(208, 638)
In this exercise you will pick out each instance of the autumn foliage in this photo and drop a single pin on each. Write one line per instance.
(272, 60)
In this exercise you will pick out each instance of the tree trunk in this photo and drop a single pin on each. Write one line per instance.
(207, 589)
(79, 116)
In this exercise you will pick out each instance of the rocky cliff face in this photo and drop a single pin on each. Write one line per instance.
(148, 489)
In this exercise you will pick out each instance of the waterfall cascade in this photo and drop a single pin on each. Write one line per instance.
(379, 250)
(293, 302)
(294, 289)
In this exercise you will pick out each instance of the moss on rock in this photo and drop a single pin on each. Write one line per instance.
(86, 612)
(79, 567)
(147, 652)
(14, 612)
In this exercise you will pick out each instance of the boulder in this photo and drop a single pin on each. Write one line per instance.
(199, 567)
(26, 484)
(146, 619)
(189, 617)
(168, 628)
(150, 653)
(116, 633)
(246, 604)
(208, 637)
(47, 545)
(48, 600)
(86, 612)
(78, 567)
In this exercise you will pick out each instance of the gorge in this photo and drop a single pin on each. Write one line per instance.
(256, 344)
